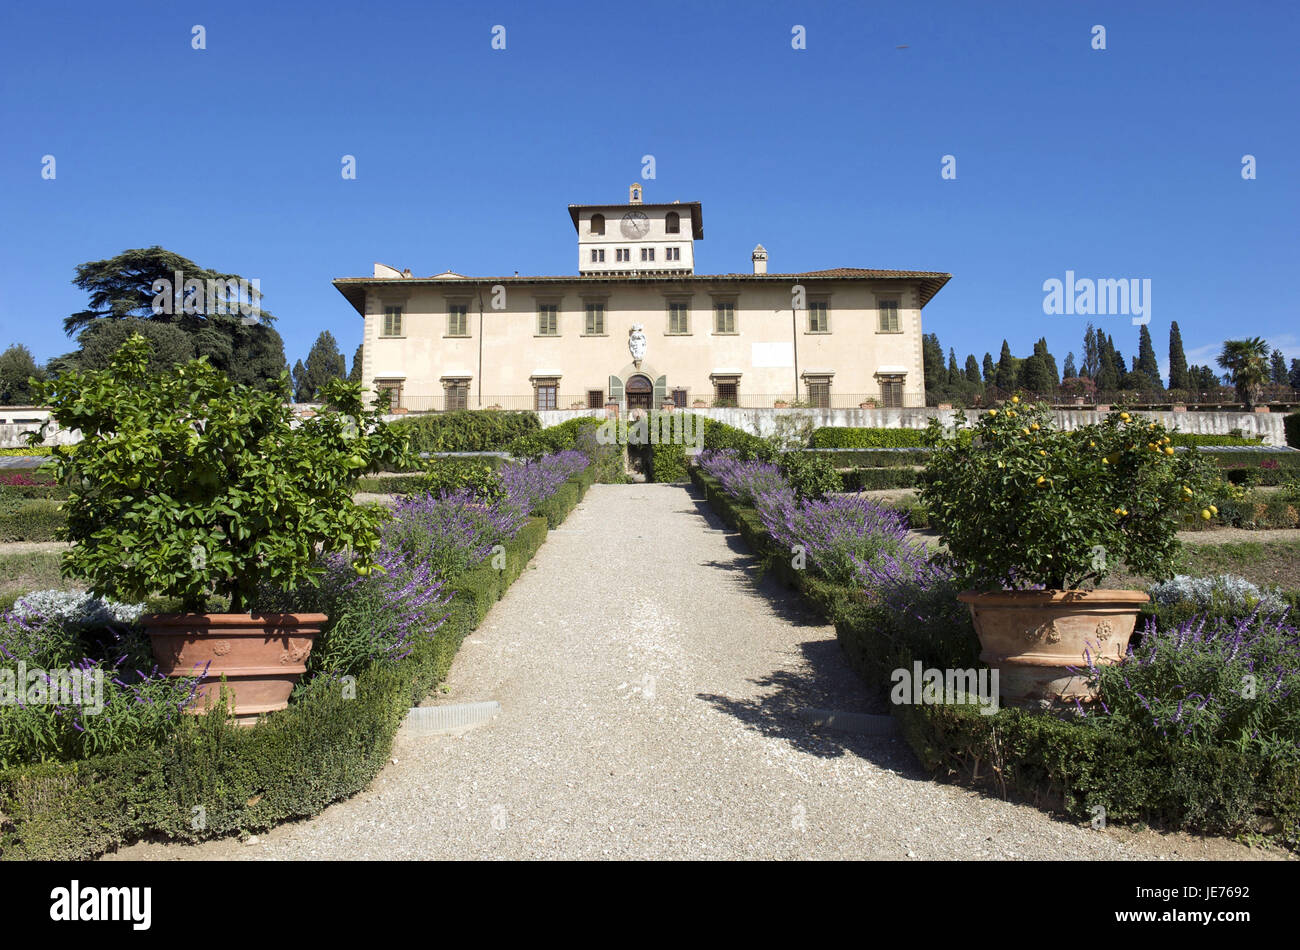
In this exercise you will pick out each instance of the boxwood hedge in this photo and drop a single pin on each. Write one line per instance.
(849, 437)
(31, 520)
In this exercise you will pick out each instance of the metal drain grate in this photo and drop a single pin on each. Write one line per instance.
(863, 723)
(453, 718)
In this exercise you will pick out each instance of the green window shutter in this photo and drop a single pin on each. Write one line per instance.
(661, 391)
(616, 390)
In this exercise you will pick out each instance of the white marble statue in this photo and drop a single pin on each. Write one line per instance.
(636, 342)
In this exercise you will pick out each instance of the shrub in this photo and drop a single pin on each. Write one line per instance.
(875, 479)
(1197, 439)
(719, 436)
(743, 480)
(1026, 504)
(466, 430)
(842, 536)
(76, 611)
(31, 520)
(1222, 685)
(526, 485)
(811, 476)
(1291, 426)
(846, 437)
(449, 533)
(481, 479)
(187, 484)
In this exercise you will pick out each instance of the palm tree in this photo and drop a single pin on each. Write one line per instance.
(1247, 363)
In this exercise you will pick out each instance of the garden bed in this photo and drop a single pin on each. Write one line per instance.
(326, 746)
(1077, 765)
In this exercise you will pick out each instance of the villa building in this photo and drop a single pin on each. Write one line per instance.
(637, 327)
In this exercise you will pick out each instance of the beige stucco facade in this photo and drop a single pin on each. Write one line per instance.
(828, 338)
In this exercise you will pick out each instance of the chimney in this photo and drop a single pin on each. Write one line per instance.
(759, 257)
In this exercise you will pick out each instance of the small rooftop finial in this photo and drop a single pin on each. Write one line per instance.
(634, 194)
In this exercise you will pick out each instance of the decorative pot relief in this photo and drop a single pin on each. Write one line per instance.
(1104, 631)
(1046, 632)
(296, 653)
(221, 648)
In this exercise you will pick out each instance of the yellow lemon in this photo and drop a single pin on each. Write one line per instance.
(1092, 445)
(1124, 416)
(1040, 480)
(1015, 399)
(1213, 510)
(1205, 514)
(1169, 450)
(1034, 427)
(1042, 452)
(1105, 461)
(993, 412)
(1025, 431)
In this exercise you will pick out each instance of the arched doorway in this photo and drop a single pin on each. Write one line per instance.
(640, 392)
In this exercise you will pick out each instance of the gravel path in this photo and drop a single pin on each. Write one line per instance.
(648, 682)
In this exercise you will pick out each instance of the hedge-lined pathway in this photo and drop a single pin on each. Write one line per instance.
(648, 683)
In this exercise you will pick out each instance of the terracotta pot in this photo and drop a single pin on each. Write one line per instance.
(1033, 638)
(260, 655)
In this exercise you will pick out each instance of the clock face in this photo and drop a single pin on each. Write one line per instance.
(635, 225)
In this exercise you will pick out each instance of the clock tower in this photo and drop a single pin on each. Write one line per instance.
(637, 238)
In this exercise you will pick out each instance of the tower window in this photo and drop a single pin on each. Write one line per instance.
(622, 253)
(598, 255)
(672, 253)
(673, 223)
(597, 224)
(647, 253)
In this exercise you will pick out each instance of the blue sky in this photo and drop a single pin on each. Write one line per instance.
(1122, 163)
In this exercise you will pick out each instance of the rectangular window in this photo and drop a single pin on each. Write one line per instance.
(726, 393)
(392, 388)
(392, 321)
(457, 394)
(679, 398)
(891, 393)
(889, 316)
(819, 320)
(672, 253)
(595, 319)
(622, 254)
(548, 319)
(647, 253)
(595, 399)
(548, 395)
(724, 318)
(458, 319)
(678, 318)
(819, 393)
(597, 255)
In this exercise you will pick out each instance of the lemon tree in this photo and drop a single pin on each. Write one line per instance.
(1021, 503)
(188, 485)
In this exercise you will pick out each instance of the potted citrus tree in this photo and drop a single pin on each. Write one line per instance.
(189, 487)
(1035, 518)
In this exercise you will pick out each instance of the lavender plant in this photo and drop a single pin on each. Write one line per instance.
(449, 533)
(1210, 682)
(842, 535)
(744, 480)
(528, 484)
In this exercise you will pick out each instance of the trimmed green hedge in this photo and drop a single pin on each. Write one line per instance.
(872, 479)
(847, 437)
(668, 463)
(27, 450)
(1059, 763)
(1246, 459)
(1193, 438)
(1291, 426)
(323, 748)
(873, 458)
(467, 430)
(39, 520)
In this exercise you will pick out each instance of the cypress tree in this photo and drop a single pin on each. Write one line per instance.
(355, 375)
(989, 371)
(1069, 372)
(1146, 359)
(1006, 373)
(954, 374)
(1178, 376)
(1277, 368)
(1091, 354)
(972, 370)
